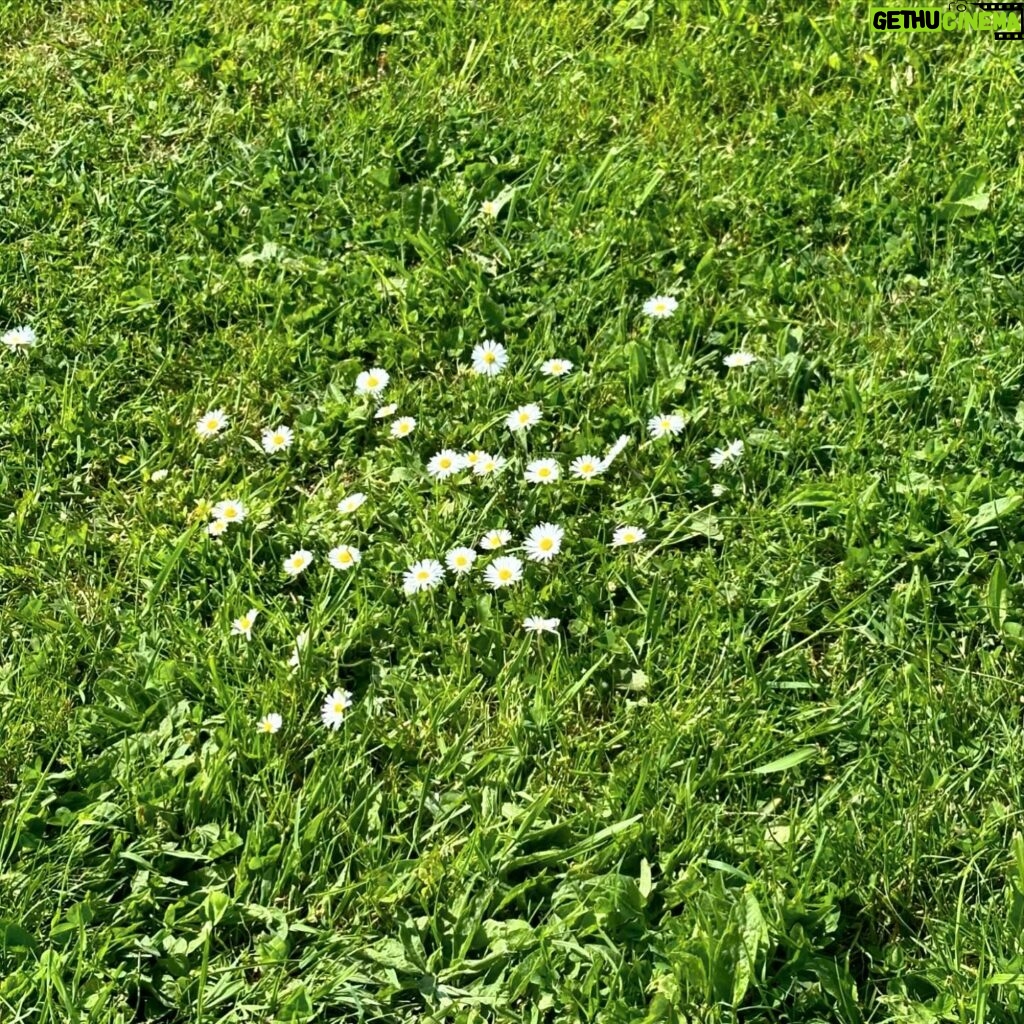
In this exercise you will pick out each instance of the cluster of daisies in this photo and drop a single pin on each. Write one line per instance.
(343, 556)
(332, 713)
(448, 462)
(540, 545)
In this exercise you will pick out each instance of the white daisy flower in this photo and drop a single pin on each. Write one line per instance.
(422, 575)
(504, 571)
(615, 451)
(717, 490)
(270, 723)
(403, 426)
(445, 463)
(217, 527)
(212, 423)
(542, 471)
(473, 459)
(523, 418)
(297, 562)
(385, 411)
(494, 539)
(344, 556)
(739, 359)
(372, 382)
(490, 208)
(349, 504)
(586, 467)
(159, 475)
(543, 542)
(231, 511)
(555, 367)
(277, 439)
(627, 535)
(620, 445)
(489, 465)
(720, 456)
(489, 358)
(332, 714)
(242, 626)
(666, 425)
(19, 339)
(536, 624)
(460, 560)
(300, 645)
(660, 306)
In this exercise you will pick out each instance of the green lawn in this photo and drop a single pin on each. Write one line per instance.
(768, 767)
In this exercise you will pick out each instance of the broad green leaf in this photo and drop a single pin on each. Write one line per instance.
(297, 1005)
(753, 940)
(978, 201)
(216, 905)
(15, 939)
(790, 760)
(967, 196)
(646, 885)
(227, 843)
(836, 981)
(998, 596)
(992, 511)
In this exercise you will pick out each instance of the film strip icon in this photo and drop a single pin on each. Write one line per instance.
(1017, 7)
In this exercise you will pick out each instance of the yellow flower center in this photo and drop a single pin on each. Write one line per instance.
(544, 471)
(268, 727)
(445, 463)
(344, 557)
(423, 575)
(212, 424)
(371, 382)
(278, 439)
(504, 574)
(339, 708)
(230, 512)
(524, 417)
(461, 560)
(587, 467)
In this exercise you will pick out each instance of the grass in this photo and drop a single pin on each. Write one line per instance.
(770, 768)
